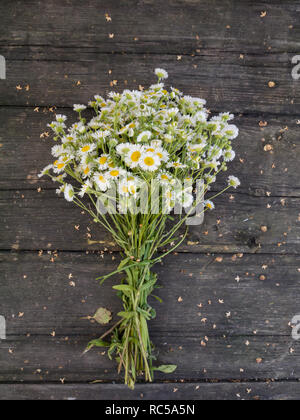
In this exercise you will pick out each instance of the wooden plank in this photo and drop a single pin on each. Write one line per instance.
(225, 80)
(33, 221)
(36, 286)
(283, 391)
(24, 153)
(172, 26)
(42, 359)
(228, 318)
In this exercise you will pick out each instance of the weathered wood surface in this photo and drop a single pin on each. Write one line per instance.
(169, 27)
(223, 325)
(60, 53)
(226, 80)
(246, 391)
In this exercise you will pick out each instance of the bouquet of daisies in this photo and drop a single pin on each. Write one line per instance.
(131, 167)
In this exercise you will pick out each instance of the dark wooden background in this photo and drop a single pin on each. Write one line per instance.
(238, 276)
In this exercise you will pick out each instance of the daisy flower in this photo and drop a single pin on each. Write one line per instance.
(234, 182)
(209, 205)
(149, 162)
(123, 148)
(231, 131)
(84, 189)
(88, 148)
(165, 178)
(69, 192)
(144, 137)
(161, 74)
(177, 165)
(229, 155)
(134, 155)
(101, 181)
(187, 200)
(79, 108)
(61, 118)
(59, 166)
(115, 173)
(102, 162)
(45, 171)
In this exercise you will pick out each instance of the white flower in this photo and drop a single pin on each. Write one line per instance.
(59, 166)
(88, 148)
(229, 155)
(115, 173)
(177, 165)
(85, 187)
(144, 137)
(209, 205)
(45, 171)
(149, 162)
(128, 188)
(102, 162)
(161, 74)
(200, 116)
(100, 135)
(234, 182)
(61, 118)
(187, 200)
(60, 190)
(79, 108)
(57, 150)
(165, 178)
(69, 192)
(231, 131)
(101, 181)
(134, 155)
(226, 116)
(123, 148)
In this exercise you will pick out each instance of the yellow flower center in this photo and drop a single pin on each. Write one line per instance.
(101, 178)
(165, 178)
(114, 173)
(103, 160)
(85, 149)
(135, 157)
(132, 189)
(125, 189)
(149, 161)
(60, 165)
(151, 150)
(86, 171)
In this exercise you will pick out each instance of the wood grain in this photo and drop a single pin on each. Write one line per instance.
(60, 78)
(148, 26)
(252, 391)
(237, 275)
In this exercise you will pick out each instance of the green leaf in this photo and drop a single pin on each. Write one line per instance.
(124, 263)
(157, 298)
(123, 288)
(126, 315)
(166, 368)
(103, 316)
(96, 343)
